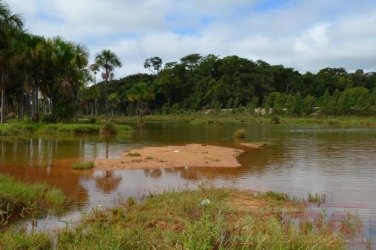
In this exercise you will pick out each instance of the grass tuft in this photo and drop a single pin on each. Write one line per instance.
(83, 165)
(18, 199)
(134, 154)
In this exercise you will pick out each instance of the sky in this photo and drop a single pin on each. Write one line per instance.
(307, 35)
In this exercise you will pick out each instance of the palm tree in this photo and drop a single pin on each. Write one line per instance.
(108, 61)
(9, 24)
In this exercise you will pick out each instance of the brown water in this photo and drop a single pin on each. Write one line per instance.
(299, 159)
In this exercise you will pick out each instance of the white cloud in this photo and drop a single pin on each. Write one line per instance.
(305, 34)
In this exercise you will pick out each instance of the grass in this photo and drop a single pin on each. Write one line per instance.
(16, 240)
(19, 128)
(83, 165)
(222, 118)
(133, 154)
(18, 199)
(203, 219)
(316, 198)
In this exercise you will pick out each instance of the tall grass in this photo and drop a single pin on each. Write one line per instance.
(228, 219)
(20, 199)
(83, 165)
(28, 128)
(178, 220)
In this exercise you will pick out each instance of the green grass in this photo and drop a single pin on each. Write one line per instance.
(83, 165)
(228, 219)
(133, 154)
(20, 128)
(16, 240)
(18, 199)
(221, 118)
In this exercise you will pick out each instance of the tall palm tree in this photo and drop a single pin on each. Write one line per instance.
(108, 61)
(63, 71)
(9, 24)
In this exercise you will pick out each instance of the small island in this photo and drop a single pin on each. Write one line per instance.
(190, 155)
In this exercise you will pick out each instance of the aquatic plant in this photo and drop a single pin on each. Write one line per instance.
(316, 198)
(83, 165)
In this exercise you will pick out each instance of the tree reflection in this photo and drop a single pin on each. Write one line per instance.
(107, 182)
(154, 173)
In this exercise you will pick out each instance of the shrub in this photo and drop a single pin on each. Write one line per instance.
(108, 129)
(275, 120)
(48, 118)
(239, 134)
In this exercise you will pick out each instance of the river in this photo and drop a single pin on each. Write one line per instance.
(298, 159)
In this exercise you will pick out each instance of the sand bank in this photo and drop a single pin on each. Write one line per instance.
(190, 155)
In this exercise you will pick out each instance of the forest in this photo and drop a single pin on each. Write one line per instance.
(210, 83)
(51, 79)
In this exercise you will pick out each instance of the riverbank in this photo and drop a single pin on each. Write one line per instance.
(21, 128)
(178, 156)
(225, 117)
(18, 199)
(204, 219)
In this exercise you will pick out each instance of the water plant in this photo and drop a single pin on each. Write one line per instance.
(83, 165)
(316, 198)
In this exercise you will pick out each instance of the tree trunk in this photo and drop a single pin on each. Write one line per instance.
(2, 107)
(95, 107)
(36, 101)
(106, 98)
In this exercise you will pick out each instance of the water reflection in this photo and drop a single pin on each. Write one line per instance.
(107, 182)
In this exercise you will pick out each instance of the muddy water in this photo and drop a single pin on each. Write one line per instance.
(337, 162)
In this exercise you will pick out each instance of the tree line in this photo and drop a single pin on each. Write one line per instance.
(43, 77)
(46, 78)
(210, 82)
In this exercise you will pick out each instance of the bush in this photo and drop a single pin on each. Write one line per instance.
(48, 118)
(108, 129)
(239, 134)
(275, 120)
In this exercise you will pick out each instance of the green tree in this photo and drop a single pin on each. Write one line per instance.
(108, 61)
(153, 63)
(140, 95)
(9, 24)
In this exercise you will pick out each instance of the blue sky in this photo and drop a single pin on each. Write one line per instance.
(303, 34)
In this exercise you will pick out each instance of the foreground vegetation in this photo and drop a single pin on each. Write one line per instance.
(19, 199)
(203, 219)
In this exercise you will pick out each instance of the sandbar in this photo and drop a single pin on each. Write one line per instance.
(158, 157)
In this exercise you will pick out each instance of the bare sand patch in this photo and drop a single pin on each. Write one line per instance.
(190, 155)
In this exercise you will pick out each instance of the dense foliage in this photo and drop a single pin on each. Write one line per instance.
(46, 77)
(39, 76)
(211, 83)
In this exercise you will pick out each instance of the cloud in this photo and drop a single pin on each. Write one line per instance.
(304, 34)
